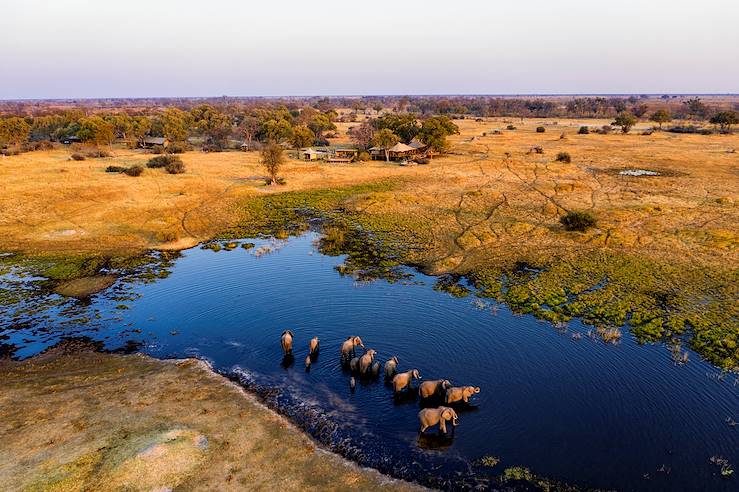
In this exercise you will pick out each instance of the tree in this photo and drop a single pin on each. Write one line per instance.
(696, 108)
(302, 136)
(362, 134)
(248, 127)
(405, 126)
(121, 123)
(661, 116)
(639, 110)
(725, 119)
(140, 127)
(272, 160)
(320, 123)
(277, 130)
(434, 131)
(176, 124)
(385, 138)
(625, 120)
(96, 130)
(14, 130)
(212, 123)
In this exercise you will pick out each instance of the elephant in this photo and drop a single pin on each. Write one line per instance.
(460, 393)
(307, 362)
(440, 415)
(375, 369)
(403, 379)
(347, 348)
(437, 387)
(365, 362)
(287, 342)
(391, 367)
(313, 346)
(354, 364)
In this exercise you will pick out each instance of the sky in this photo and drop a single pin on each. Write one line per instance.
(201, 48)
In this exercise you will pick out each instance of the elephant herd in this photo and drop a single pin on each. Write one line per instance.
(365, 366)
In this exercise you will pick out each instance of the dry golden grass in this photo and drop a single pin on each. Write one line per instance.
(488, 192)
(83, 420)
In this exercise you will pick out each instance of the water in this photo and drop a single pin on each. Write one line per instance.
(577, 410)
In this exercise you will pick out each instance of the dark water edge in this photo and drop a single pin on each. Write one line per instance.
(441, 467)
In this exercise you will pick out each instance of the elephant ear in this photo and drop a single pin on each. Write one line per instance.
(447, 414)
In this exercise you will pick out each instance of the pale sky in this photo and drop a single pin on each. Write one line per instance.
(139, 48)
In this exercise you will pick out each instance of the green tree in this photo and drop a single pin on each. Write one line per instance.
(696, 108)
(272, 159)
(140, 128)
(405, 126)
(385, 138)
(434, 132)
(176, 124)
(661, 116)
(302, 136)
(14, 130)
(214, 125)
(277, 130)
(320, 123)
(625, 120)
(725, 119)
(96, 130)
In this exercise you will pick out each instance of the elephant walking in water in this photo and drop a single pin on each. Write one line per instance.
(391, 367)
(348, 348)
(365, 362)
(437, 387)
(462, 393)
(403, 380)
(432, 416)
(287, 342)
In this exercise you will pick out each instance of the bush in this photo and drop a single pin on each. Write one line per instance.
(175, 167)
(606, 129)
(157, 149)
(540, 129)
(115, 169)
(39, 145)
(96, 153)
(134, 170)
(162, 161)
(178, 148)
(363, 156)
(510, 127)
(77, 157)
(563, 157)
(577, 221)
(10, 151)
(423, 160)
(584, 130)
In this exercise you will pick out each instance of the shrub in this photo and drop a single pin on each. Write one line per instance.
(584, 130)
(606, 129)
(510, 127)
(10, 151)
(540, 129)
(77, 157)
(563, 157)
(39, 145)
(175, 167)
(157, 149)
(577, 221)
(115, 169)
(363, 156)
(162, 161)
(536, 150)
(178, 148)
(96, 153)
(134, 170)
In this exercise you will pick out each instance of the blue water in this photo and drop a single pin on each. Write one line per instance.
(573, 409)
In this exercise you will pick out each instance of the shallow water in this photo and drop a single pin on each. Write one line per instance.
(573, 409)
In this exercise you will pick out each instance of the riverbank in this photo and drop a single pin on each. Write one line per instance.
(73, 418)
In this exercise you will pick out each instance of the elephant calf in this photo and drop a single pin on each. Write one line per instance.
(462, 393)
(313, 346)
(403, 380)
(391, 367)
(432, 416)
(436, 387)
(365, 362)
(287, 342)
